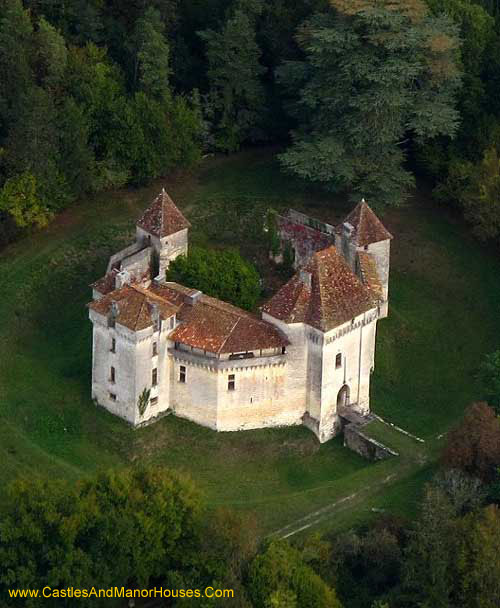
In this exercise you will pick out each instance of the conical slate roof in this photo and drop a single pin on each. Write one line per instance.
(330, 295)
(162, 217)
(368, 228)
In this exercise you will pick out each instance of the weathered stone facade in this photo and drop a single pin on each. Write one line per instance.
(181, 352)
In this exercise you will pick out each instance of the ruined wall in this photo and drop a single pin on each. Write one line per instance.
(367, 447)
(304, 239)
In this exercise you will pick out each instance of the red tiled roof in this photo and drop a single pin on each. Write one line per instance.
(135, 306)
(106, 284)
(335, 295)
(369, 274)
(217, 326)
(368, 228)
(162, 217)
(208, 323)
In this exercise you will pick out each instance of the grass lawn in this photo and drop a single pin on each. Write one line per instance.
(444, 315)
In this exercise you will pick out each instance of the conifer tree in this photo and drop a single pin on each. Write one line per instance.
(375, 75)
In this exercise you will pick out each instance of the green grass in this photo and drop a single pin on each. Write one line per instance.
(444, 315)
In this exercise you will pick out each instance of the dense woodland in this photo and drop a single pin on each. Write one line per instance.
(146, 527)
(361, 96)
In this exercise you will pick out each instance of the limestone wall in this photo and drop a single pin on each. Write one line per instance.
(367, 447)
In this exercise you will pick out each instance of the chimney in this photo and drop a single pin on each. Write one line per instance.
(347, 229)
(306, 278)
(122, 278)
(192, 298)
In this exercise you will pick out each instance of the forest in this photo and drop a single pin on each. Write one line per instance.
(373, 98)
(361, 97)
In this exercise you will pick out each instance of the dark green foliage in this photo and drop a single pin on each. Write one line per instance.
(66, 115)
(371, 80)
(489, 379)
(235, 101)
(221, 274)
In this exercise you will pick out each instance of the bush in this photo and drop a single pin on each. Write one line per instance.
(221, 274)
(474, 446)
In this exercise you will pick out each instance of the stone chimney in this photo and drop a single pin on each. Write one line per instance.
(192, 298)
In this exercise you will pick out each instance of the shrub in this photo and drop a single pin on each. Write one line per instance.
(221, 274)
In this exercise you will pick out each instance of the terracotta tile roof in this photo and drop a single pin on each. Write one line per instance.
(369, 275)
(217, 326)
(368, 228)
(162, 217)
(335, 294)
(135, 306)
(208, 323)
(106, 284)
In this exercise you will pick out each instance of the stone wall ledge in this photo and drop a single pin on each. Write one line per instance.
(225, 364)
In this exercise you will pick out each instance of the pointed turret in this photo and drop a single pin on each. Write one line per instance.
(367, 228)
(162, 218)
(165, 228)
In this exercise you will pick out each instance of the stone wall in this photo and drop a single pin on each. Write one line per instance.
(367, 447)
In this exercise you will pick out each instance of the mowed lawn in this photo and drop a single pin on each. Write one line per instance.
(444, 315)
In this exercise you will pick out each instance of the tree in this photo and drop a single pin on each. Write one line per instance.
(221, 274)
(428, 565)
(489, 379)
(375, 74)
(278, 577)
(235, 102)
(474, 446)
(16, 76)
(51, 55)
(481, 198)
(119, 528)
(152, 69)
(19, 198)
(478, 563)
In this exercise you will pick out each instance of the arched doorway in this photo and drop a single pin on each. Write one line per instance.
(343, 396)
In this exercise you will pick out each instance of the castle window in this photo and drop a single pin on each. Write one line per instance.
(112, 374)
(172, 322)
(155, 349)
(338, 361)
(182, 373)
(283, 350)
(112, 396)
(113, 345)
(154, 401)
(231, 382)
(154, 377)
(366, 247)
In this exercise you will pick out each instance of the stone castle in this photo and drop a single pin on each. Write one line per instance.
(159, 347)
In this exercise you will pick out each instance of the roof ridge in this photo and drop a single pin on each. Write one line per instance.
(230, 333)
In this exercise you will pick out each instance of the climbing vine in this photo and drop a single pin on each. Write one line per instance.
(143, 401)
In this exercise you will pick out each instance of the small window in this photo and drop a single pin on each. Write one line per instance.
(154, 377)
(283, 350)
(112, 396)
(230, 382)
(154, 401)
(182, 373)
(112, 375)
(155, 349)
(338, 361)
(172, 322)
(113, 345)
(366, 247)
